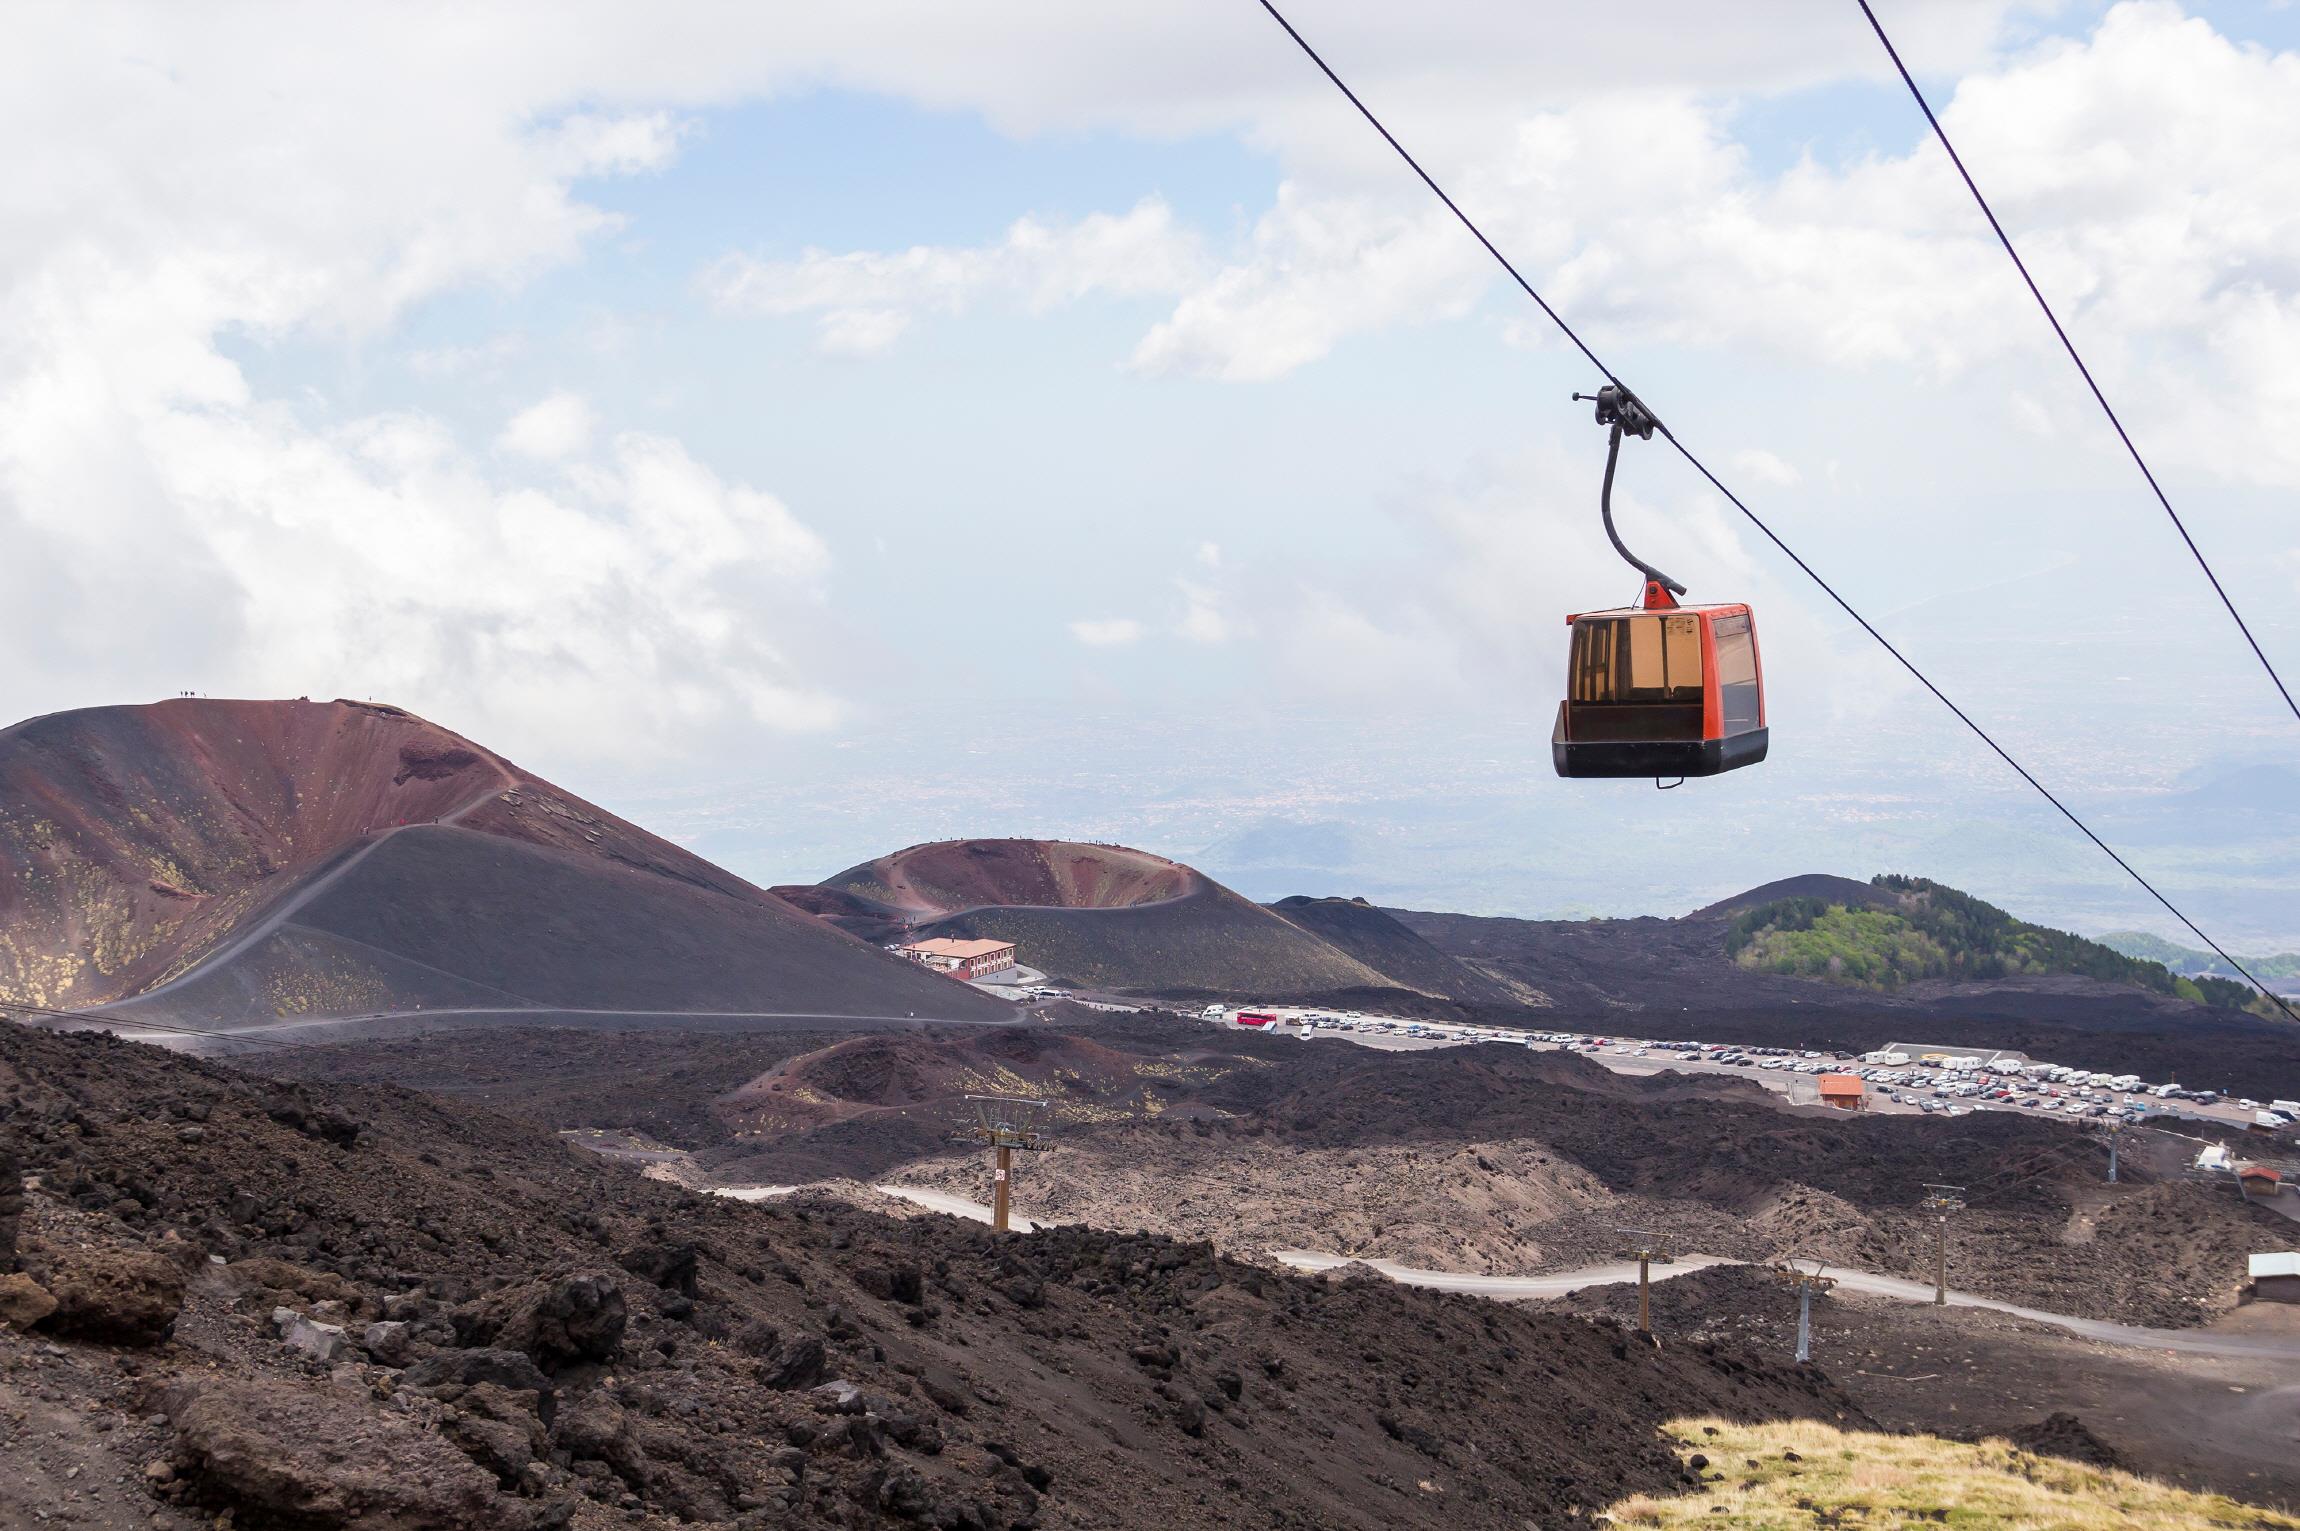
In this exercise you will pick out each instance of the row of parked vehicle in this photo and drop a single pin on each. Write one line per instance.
(1953, 1085)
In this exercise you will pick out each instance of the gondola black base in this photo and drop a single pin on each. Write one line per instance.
(1658, 758)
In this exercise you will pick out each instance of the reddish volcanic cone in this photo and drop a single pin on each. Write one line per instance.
(951, 875)
(1100, 915)
(132, 838)
(236, 863)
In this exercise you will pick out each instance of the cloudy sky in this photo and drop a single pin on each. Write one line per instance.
(810, 428)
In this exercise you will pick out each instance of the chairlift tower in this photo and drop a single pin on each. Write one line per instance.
(1005, 1123)
(1807, 1282)
(1941, 1200)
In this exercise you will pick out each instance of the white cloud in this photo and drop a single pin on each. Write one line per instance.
(1318, 269)
(2151, 174)
(860, 332)
(635, 142)
(217, 180)
(1335, 647)
(551, 429)
(238, 176)
(864, 299)
(1202, 617)
(1758, 466)
(483, 358)
(377, 557)
(1210, 554)
(1106, 632)
(2029, 413)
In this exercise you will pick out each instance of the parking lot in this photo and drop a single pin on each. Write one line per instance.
(1933, 1081)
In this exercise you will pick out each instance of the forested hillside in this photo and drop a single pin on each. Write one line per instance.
(1928, 930)
(2280, 971)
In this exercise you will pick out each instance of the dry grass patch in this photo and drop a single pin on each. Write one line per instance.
(1804, 1474)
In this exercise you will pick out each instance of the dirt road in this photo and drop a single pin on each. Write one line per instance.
(1520, 1288)
(958, 1206)
(1504, 1288)
(2201, 1342)
(380, 1024)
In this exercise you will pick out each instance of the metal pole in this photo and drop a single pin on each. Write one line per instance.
(999, 1185)
(1941, 1200)
(1644, 1293)
(1807, 1282)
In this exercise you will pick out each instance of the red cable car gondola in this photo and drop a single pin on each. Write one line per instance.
(1657, 689)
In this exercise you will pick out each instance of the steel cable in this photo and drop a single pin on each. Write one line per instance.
(1770, 535)
(2069, 346)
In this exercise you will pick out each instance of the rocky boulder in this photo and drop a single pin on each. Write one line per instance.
(499, 1428)
(670, 1266)
(282, 1276)
(387, 1342)
(284, 1454)
(23, 1301)
(451, 1373)
(299, 1114)
(119, 1296)
(796, 1362)
(324, 1343)
(559, 1321)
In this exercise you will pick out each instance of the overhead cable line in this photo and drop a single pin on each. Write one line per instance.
(2069, 346)
(1754, 520)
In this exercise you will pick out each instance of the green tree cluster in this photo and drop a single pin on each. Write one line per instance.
(1923, 929)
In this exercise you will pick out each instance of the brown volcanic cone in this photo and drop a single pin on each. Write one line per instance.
(1094, 914)
(235, 862)
(133, 837)
(954, 875)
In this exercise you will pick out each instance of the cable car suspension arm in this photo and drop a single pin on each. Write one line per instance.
(1624, 411)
